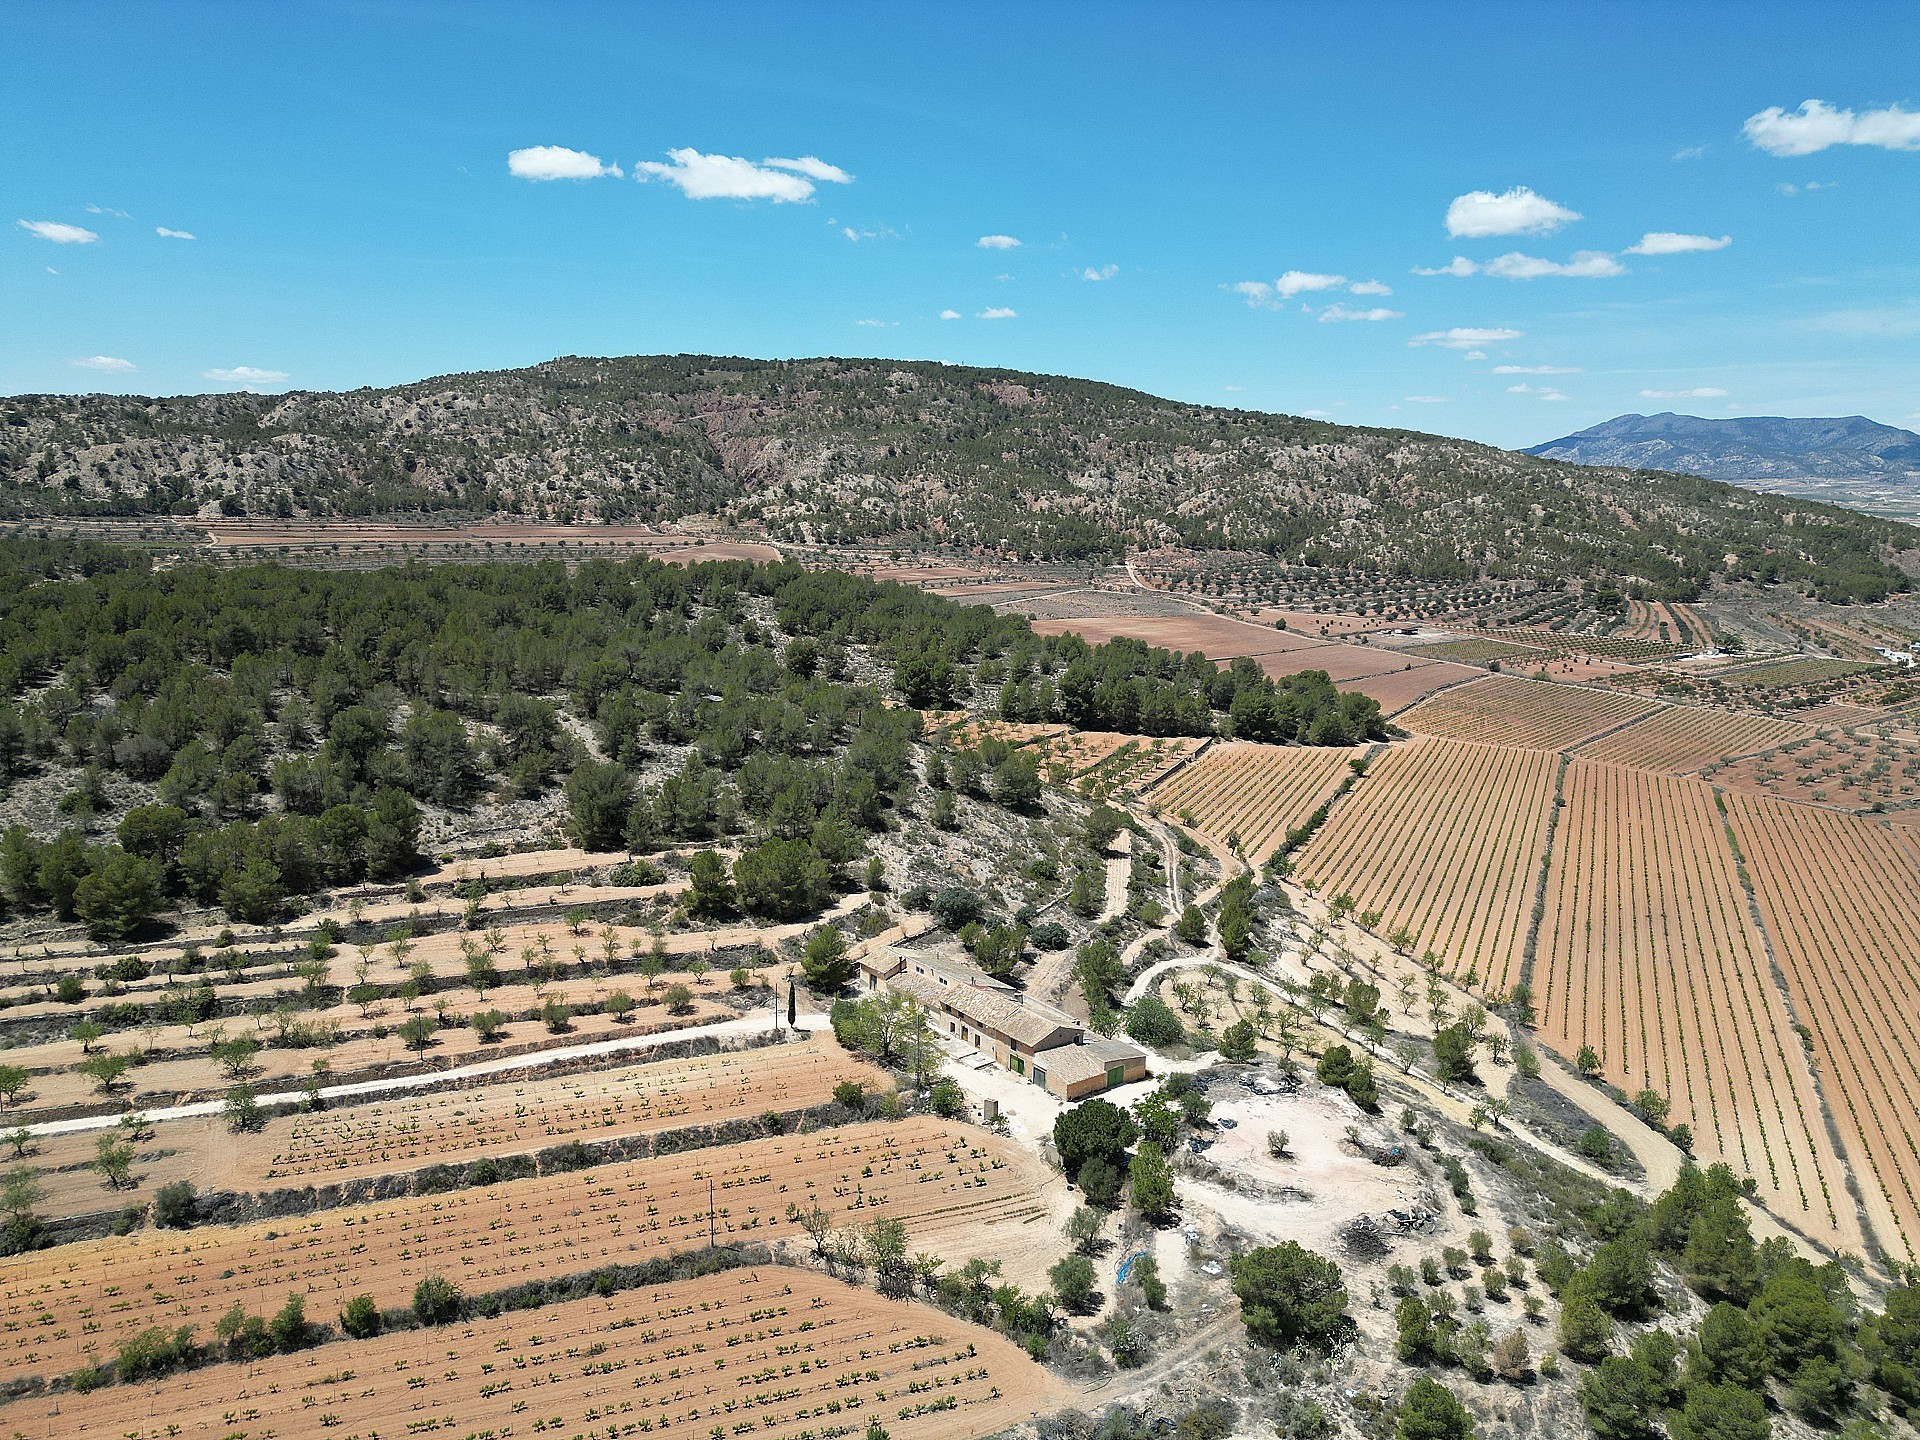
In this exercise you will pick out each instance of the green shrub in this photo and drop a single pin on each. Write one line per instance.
(436, 1300)
(173, 1205)
(1151, 1023)
(361, 1318)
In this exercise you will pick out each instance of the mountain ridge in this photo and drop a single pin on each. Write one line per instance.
(1751, 447)
(920, 454)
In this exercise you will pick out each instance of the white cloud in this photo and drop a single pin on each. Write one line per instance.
(245, 375)
(1584, 265)
(878, 324)
(1667, 242)
(59, 232)
(885, 232)
(1474, 355)
(165, 233)
(1317, 414)
(108, 210)
(111, 364)
(1459, 265)
(1817, 125)
(997, 242)
(556, 162)
(1000, 312)
(1300, 282)
(1691, 152)
(949, 314)
(728, 177)
(814, 168)
(1338, 311)
(1518, 211)
(1099, 272)
(1539, 392)
(1465, 337)
(1789, 188)
(1702, 392)
(1538, 370)
(1552, 397)
(1369, 287)
(1261, 294)
(1425, 399)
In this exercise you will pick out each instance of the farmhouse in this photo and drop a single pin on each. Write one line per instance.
(1017, 1032)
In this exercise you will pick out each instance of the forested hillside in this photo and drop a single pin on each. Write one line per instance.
(916, 454)
(242, 737)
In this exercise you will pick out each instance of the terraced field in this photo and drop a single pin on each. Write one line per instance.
(1444, 841)
(763, 1350)
(961, 1193)
(1648, 952)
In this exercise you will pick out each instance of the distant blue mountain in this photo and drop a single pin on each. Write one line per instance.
(1747, 449)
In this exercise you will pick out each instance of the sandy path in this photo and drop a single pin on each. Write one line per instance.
(1119, 868)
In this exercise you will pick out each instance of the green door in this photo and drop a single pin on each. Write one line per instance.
(1116, 1075)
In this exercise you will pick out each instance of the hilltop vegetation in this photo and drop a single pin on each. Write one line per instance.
(250, 736)
(916, 454)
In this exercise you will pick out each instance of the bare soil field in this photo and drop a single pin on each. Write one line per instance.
(1214, 636)
(1397, 689)
(768, 1348)
(1841, 898)
(961, 1192)
(1686, 737)
(1255, 793)
(1342, 663)
(1507, 710)
(1649, 953)
(1310, 623)
(1444, 842)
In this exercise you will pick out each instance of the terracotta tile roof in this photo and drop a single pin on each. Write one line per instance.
(1027, 1022)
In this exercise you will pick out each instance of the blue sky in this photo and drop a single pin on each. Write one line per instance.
(1196, 192)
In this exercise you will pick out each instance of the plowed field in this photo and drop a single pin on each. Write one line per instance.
(1444, 840)
(1256, 793)
(1686, 737)
(1506, 710)
(1649, 953)
(1841, 898)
